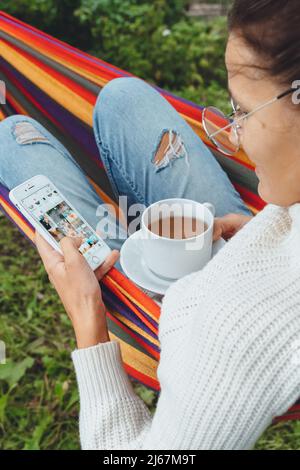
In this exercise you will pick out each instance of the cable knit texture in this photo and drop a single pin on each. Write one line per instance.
(230, 351)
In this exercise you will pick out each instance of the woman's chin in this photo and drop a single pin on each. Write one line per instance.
(267, 195)
(257, 170)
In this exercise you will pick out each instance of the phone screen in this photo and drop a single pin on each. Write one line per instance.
(47, 207)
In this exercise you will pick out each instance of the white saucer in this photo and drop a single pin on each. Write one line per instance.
(136, 269)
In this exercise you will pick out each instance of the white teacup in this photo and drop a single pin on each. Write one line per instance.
(174, 258)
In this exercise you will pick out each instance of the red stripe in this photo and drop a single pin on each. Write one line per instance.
(144, 379)
(287, 417)
(250, 197)
(295, 408)
(185, 108)
(135, 292)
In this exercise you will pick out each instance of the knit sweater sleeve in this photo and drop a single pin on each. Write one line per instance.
(112, 416)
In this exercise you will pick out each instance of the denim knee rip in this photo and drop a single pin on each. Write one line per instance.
(26, 133)
(170, 147)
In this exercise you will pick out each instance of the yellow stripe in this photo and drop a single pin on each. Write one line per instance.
(252, 208)
(135, 328)
(59, 92)
(137, 359)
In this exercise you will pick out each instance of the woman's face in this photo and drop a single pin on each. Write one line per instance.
(271, 136)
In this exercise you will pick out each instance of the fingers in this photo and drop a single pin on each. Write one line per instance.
(108, 263)
(69, 247)
(225, 226)
(228, 225)
(73, 258)
(48, 254)
(217, 231)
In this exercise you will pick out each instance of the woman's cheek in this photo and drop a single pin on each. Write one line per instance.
(255, 142)
(251, 148)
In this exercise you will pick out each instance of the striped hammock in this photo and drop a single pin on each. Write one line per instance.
(57, 85)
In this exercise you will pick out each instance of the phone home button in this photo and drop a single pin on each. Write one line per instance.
(95, 260)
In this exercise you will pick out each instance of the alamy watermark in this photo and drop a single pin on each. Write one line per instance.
(186, 220)
(2, 92)
(296, 94)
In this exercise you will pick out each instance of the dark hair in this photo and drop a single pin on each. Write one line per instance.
(272, 29)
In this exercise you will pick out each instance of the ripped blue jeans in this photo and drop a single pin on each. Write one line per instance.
(148, 150)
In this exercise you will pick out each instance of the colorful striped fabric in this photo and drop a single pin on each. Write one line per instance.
(57, 85)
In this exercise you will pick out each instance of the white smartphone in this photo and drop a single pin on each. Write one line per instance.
(54, 217)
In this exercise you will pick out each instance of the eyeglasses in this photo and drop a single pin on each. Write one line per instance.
(224, 131)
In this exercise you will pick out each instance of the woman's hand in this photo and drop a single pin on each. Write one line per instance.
(78, 288)
(229, 225)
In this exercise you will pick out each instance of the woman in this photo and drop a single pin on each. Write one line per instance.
(230, 334)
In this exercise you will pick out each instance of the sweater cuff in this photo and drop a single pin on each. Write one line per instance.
(100, 372)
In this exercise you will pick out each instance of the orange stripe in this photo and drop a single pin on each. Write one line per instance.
(133, 292)
(252, 208)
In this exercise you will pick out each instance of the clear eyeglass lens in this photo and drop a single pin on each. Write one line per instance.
(226, 141)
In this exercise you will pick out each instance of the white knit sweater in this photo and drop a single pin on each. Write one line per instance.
(230, 351)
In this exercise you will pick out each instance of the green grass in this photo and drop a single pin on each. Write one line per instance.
(38, 393)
